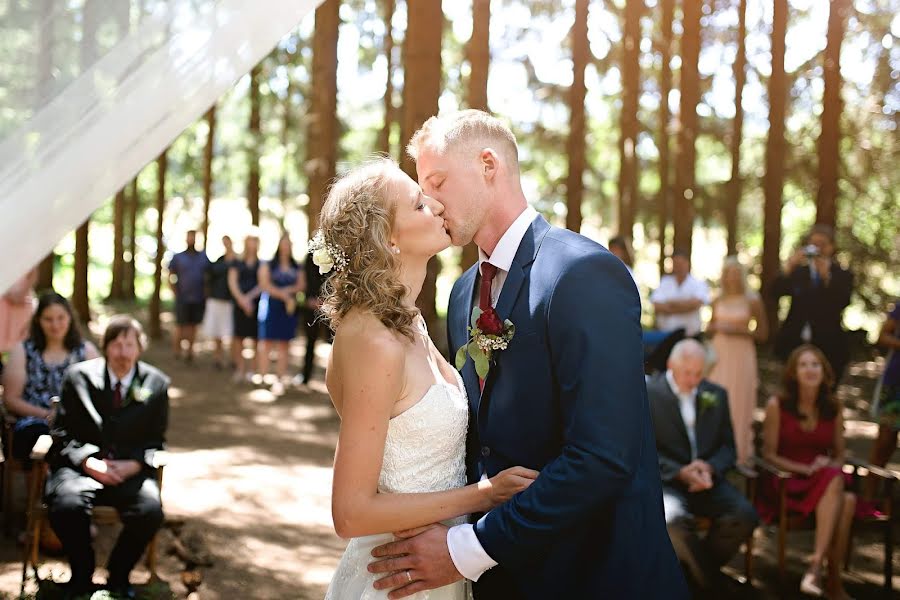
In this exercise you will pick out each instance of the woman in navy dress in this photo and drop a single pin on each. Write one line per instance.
(244, 285)
(280, 280)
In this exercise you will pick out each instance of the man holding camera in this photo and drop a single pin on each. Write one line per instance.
(820, 291)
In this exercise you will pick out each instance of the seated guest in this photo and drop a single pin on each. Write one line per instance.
(112, 419)
(696, 449)
(678, 298)
(804, 434)
(34, 373)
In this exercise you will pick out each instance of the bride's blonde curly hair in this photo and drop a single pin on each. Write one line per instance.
(357, 218)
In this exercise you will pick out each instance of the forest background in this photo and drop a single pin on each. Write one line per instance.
(720, 126)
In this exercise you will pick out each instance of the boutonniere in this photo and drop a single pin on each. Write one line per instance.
(142, 394)
(487, 334)
(707, 400)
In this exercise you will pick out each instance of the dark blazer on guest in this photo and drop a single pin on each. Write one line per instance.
(86, 424)
(567, 398)
(712, 429)
(821, 306)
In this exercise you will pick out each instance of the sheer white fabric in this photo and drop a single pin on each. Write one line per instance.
(73, 132)
(424, 451)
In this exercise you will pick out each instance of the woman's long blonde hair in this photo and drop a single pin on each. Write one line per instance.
(357, 218)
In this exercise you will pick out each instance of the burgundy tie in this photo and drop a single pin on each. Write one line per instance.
(117, 396)
(488, 271)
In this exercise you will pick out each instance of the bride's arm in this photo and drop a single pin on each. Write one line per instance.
(371, 371)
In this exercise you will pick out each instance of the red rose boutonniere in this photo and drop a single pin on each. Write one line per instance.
(487, 334)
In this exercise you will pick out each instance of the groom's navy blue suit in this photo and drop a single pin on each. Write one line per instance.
(567, 398)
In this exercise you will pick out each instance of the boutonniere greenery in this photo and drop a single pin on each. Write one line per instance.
(707, 399)
(487, 334)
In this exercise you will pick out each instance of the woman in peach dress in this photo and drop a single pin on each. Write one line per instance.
(734, 341)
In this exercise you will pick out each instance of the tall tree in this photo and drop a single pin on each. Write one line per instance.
(255, 141)
(575, 145)
(478, 53)
(155, 300)
(422, 64)
(683, 216)
(384, 136)
(208, 151)
(773, 182)
(89, 51)
(631, 92)
(134, 203)
(829, 139)
(735, 187)
(287, 123)
(665, 88)
(321, 146)
(45, 81)
(117, 288)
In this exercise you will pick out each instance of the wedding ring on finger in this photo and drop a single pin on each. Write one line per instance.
(408, 576)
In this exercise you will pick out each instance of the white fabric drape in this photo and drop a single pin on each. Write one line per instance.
(85, 137)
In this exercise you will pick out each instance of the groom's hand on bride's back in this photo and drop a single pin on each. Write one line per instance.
(419, 561)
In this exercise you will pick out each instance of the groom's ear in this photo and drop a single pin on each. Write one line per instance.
(489, 163)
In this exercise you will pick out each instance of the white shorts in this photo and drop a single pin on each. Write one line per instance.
(218, 320)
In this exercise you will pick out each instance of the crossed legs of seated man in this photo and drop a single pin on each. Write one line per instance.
(71, 497)
(733, 520)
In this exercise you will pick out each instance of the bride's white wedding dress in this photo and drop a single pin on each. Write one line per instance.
(424, 451)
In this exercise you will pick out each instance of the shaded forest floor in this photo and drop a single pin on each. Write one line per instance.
(251, 476)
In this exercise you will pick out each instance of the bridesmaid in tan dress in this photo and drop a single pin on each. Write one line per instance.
(734, 340)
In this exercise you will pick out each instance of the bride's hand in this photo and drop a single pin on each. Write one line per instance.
(505, 484)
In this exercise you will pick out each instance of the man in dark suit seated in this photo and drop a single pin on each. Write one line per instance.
(112, 419)
(695, 445)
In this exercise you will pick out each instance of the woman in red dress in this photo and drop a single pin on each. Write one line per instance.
(803, 433)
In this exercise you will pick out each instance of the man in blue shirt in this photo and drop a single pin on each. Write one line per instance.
(187, 276)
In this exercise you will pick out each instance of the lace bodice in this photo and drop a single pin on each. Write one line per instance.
(425, 451)
(425, 446)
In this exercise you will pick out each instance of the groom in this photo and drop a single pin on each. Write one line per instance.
(566, 397)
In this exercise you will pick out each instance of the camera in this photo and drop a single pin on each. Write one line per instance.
(811, 250)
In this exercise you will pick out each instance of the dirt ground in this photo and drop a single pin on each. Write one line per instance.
(251, 475)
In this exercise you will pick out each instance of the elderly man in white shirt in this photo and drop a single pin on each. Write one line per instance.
(678, 298)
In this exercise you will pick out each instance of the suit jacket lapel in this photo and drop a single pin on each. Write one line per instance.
(460, 324)
(98, 378)
(518, 273)
(675, 410)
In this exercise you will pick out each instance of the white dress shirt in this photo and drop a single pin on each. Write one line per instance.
(125, 381)
(687, 403)
(690, 289)
(466, 551)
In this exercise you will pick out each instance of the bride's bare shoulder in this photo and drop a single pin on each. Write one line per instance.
(360, 332)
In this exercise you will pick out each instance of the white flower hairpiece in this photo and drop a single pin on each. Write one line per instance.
(326, 256)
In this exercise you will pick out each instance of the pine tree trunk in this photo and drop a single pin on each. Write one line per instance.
(255, 142)
(155, 300)
(384, 136)
(322, 133)
(116, 290)
(735, 187)
(663, 199)
(830, 138)
(422, 65)
(631, 92)
(575, 146)
(208, 152)
(775, 156)
(45, 273)
(684, 202)
(80, 301)
(134, 202)
(478, 52)
(286, 127)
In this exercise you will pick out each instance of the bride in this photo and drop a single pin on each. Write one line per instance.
(400, 457)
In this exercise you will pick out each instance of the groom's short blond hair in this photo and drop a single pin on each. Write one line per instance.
(469, 130)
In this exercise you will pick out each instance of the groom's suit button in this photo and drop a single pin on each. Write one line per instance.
(485, 451)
